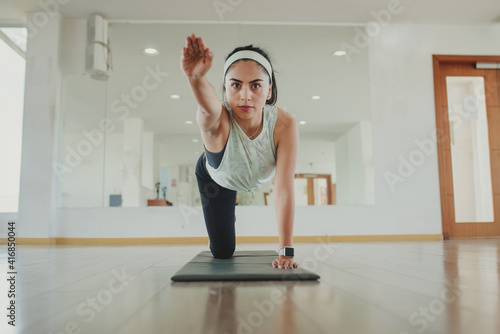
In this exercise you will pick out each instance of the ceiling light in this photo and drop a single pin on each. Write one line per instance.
(315, 97)
(338, 53)
(189, 122)
(302, 122)
(195, 140)
(175, 97)
(151, 52)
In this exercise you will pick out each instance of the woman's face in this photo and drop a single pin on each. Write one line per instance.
(247, 88)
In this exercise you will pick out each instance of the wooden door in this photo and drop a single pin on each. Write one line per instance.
(468, 142)
(329, 195)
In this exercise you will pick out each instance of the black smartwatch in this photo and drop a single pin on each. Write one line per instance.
(286, 251)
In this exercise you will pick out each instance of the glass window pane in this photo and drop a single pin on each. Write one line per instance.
(81, 156)
(470, 151)
(12, 73)
(19, 36)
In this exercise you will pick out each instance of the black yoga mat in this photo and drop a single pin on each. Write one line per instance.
(243, 266)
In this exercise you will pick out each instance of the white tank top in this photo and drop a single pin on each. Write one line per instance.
(247, 164)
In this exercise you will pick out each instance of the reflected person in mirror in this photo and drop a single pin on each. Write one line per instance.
(247, 141)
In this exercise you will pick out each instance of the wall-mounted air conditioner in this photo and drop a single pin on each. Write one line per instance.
(98, 53)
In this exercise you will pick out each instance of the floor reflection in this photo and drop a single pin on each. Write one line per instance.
(472, 278)
(219, 311)
(267, 305)
(450, 291)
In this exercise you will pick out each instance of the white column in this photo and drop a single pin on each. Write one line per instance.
(148, 177)
(39, 187)
(132, 160)
(367, 158)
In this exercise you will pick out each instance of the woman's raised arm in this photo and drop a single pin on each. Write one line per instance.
(196, 61)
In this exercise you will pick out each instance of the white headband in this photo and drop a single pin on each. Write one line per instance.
(248, 54)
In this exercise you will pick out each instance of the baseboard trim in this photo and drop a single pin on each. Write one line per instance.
(204, 240)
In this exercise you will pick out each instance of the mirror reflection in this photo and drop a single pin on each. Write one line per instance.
(132, 140)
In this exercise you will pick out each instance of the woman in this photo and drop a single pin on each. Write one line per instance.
(247, 141)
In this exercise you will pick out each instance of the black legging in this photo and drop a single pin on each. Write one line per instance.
(218, 209)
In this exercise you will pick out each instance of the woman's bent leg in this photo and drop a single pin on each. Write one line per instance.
(218, 205)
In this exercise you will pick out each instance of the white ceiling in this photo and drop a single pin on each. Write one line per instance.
(291, 11)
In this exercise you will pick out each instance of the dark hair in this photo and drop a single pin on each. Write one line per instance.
(272, 81)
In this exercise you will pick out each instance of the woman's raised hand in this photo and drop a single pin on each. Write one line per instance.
(196, 58)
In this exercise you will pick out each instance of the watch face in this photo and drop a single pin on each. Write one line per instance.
(288, 251)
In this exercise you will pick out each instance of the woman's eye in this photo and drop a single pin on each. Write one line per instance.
(235, 85)
(256, 86)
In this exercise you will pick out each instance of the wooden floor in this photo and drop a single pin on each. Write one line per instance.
(447, 286)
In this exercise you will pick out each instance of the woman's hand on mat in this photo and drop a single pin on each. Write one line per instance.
(285, 262)
(196, 58)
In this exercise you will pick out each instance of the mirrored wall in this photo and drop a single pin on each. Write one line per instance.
(132, 140)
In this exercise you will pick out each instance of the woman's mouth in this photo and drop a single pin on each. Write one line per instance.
(245, 108)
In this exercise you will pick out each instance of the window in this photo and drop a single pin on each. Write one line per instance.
(12, 72)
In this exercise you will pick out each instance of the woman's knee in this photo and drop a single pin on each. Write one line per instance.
(225, 253)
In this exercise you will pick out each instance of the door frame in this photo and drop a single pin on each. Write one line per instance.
(310, 186)
(442, 129)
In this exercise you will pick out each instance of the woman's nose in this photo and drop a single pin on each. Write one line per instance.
(245, 93)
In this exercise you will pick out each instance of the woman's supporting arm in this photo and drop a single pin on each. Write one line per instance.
(284, 198)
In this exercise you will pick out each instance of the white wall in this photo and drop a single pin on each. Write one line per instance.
(354, 166)
(402, 105)
(82, 186)
(316, 154)
(403, 115)
(5, 218)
